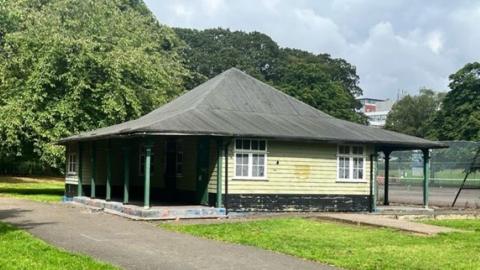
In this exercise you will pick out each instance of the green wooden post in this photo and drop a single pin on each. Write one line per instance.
(219, 174)
(373, 181)
(94, 169)
(108, 186)
(426, 176)
(386, 177)
(148, 156)
(126, 174)
(80, 168)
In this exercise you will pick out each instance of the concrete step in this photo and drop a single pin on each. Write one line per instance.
(153, 213)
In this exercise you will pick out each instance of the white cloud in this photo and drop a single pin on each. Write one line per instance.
(395, 44)
(182, 11)
(435, 41)
(211, 7)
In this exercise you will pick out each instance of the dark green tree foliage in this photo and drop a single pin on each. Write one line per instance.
(68, 66)
(328, 84)
(414, 115)
(459, 117)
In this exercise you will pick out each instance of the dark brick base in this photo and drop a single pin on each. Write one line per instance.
(297, 202)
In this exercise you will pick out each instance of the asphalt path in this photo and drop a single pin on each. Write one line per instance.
(136, 244)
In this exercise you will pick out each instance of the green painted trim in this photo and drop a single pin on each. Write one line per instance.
(219, 174)
(148, 157)
(108, 187)
(386, 184)
(126, 174)
(373, 185)
(426, 176)
(80, 170)
(93, 161)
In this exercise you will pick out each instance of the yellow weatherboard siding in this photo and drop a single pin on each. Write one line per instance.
(298, 168)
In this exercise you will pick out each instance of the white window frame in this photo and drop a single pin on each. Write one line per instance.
(69, 161)
(350, 157)
(250, 154)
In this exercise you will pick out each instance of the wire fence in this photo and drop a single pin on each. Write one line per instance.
(447, 171)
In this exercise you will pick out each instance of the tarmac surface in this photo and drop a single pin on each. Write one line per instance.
(438, 196)
(136, 244)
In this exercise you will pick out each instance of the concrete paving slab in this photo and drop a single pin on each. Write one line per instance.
(386, 222)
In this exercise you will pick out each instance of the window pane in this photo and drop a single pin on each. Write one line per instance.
(261, 160)
(244, 170)
(358, 168)
(347, 167)
(238, 144)
(357, 150)
(255, 171)
(179, 168)
(254, 145)
(239, 159)
(246, 144)
(261, 145)
(343, 167)
(261, 171)
(238, 170)
(342, 149)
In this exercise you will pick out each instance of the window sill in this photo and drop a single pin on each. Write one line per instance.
(261, 179)
(361, 181)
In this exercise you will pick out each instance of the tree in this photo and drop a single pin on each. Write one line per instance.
(459, 117)
(68, 66)
(414, 115)
(328, 84)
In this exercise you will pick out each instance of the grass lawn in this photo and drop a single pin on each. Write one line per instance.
(20, 250)
(351, 247)
(38, 189)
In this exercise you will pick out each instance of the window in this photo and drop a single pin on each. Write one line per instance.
(72, 163)
(351, 161)
(141, 161)
(179, 164)
(250, 159)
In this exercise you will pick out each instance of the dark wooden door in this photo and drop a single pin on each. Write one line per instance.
(203, 174)
(170, 169)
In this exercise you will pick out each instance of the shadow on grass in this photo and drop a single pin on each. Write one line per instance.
(32, 191)
(29, 180)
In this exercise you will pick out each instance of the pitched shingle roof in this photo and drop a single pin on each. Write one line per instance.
(236, 104)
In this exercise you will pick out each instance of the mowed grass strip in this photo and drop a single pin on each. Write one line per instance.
(38, 189)
(20, 250)
(349, 246)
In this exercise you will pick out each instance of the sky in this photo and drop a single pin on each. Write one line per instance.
(395, 45)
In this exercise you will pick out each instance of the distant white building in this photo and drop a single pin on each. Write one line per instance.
(376, 110)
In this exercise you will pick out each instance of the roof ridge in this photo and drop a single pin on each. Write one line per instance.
(220, 78)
